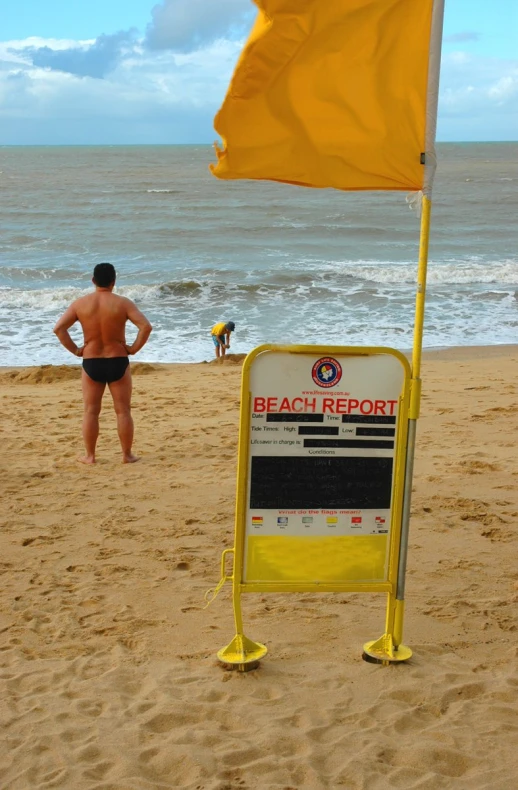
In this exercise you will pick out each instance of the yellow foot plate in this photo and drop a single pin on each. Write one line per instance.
(381, 651)
(242, 651)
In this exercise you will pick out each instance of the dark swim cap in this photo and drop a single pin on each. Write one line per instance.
(230, 326)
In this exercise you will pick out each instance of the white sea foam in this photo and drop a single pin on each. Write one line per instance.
(323, 280)
(448, 272)
(279, 261)
(39, 299)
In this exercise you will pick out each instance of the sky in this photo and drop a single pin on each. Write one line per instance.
(146, 72)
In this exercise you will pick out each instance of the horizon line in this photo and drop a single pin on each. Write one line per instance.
(207, 145)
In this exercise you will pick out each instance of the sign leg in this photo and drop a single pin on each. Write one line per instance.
(241, 653)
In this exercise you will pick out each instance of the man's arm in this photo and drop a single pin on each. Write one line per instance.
(67, 320)
(142, 324)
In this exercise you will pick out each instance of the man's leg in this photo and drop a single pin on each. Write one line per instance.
(92, 399)
(121, 394)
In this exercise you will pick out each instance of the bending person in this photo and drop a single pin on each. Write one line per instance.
(220, 334)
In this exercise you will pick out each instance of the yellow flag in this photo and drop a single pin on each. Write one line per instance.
(334, 93)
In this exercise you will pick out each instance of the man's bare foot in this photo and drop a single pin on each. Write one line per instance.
(130, 459)
(87, 459)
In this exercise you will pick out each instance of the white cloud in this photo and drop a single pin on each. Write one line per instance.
(479, 80)
(94, 59)
(457, 58)
(115, 89)
(37, 41)
(478, 98)
(505, 88)
(155, 97)
(458, 38)
(185, 25)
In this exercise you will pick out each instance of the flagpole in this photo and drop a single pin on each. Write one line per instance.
(432, 100)
(415, 400)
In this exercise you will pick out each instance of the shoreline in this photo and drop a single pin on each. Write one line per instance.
(454, 353)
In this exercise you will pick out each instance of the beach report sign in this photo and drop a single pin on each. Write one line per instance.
(321, 479)
(322, 441)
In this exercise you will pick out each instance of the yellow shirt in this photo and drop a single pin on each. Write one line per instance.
(219, 329)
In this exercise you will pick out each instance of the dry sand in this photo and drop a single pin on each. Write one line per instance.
(109, 678)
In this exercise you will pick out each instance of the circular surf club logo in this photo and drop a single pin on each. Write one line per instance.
(327, 372)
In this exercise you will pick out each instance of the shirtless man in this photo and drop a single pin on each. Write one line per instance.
(103, 317)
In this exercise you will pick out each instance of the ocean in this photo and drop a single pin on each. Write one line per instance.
(286, 264)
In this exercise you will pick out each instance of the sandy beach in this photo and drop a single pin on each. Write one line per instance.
(109, 677)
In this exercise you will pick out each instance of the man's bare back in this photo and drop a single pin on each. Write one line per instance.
(103, 316)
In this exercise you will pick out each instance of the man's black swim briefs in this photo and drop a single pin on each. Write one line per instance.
(106, 370)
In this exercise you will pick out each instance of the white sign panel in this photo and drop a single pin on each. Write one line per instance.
(322, 443)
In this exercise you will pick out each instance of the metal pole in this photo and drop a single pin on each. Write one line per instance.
(415, 394)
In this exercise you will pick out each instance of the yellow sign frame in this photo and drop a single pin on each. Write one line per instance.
(243, 652)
